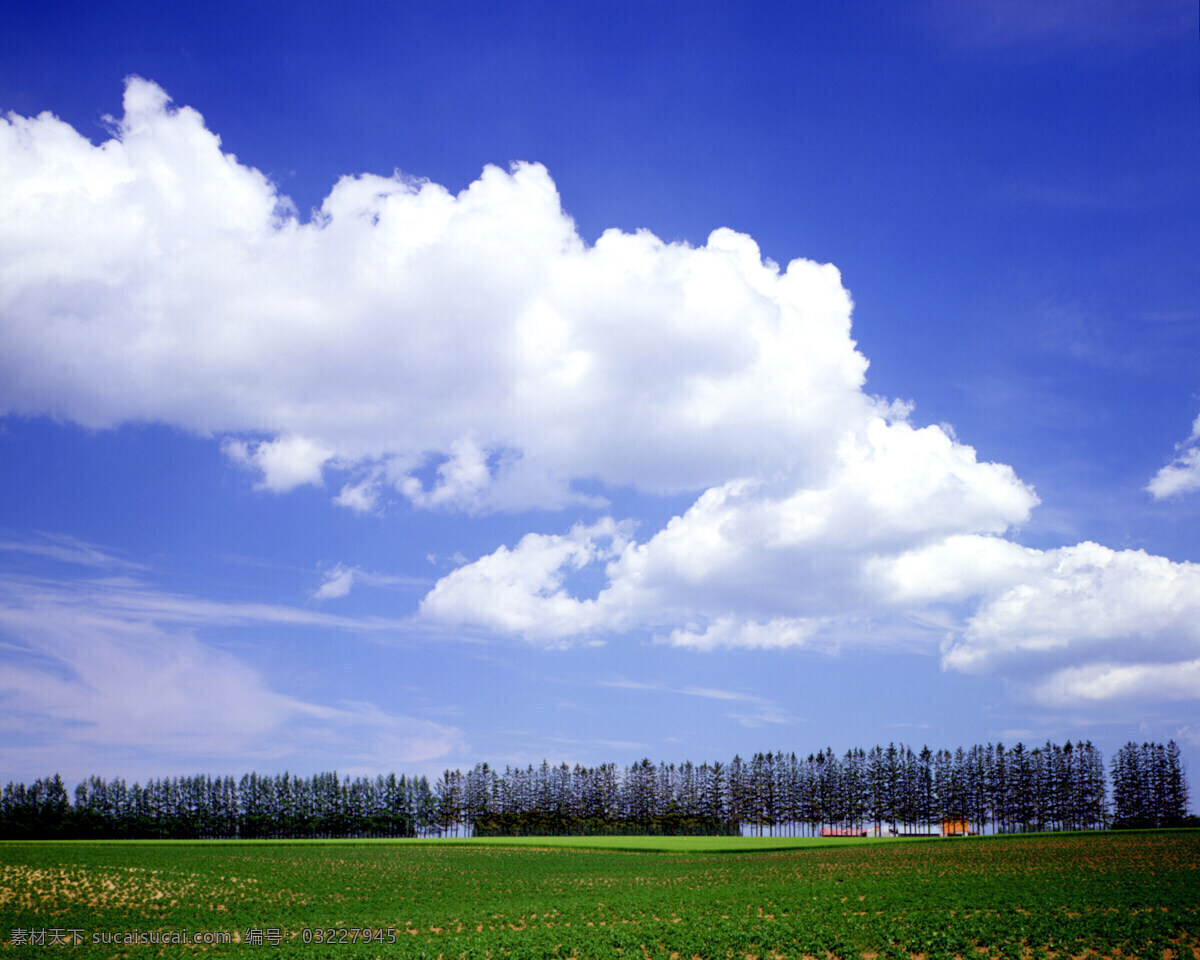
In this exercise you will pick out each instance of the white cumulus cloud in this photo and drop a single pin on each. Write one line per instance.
(521, 591)
(751, 563)
(285, 463)
(1107, 681)
(1084, 624)
(728, 632)
(1182, 475)
(471, 352)
(470, 349)
(1119, 604)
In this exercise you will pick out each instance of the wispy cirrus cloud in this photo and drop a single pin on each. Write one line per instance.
(67, 549)
(747, 709)
(340, 579)
(1059, 26)
(103, 670)
(136, 600)
(707, 693)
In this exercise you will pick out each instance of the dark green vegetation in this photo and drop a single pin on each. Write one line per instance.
(562, 824)
(1149, 787)
(1063, 895)
(996, 789)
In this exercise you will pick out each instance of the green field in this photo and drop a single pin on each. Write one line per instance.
(1061, 895)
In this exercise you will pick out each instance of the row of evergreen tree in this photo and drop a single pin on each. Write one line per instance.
(995, 788)
(1149, 787)
(897, 788)
(201, 807)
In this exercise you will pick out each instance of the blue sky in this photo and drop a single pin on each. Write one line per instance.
(395, 387)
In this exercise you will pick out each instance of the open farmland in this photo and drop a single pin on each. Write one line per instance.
(1072, 895)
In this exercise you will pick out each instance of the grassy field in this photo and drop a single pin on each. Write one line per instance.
(1068, 895)
(678, 844)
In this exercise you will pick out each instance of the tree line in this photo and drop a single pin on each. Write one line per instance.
(1149, 788)
(207, 807)
(997, 789)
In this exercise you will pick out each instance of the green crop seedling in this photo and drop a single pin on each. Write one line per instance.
(1063, 895)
